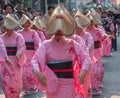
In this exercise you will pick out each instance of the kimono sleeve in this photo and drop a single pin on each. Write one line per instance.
(81, 41)
(37, 40)
(21, 49)
(42, 36)
(39, 59)
(90, 42)
(83, 57)
(3, 52)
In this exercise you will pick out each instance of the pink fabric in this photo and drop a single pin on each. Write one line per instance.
(68, 50)
(46, 36)
(97, 68)
(81, 41)
(99, 1)
(41, 35)
(106, 43)
(97, 36)
(106, 47)
(3, 52)
(12, 76)
(89, 43)
(27, 72)
(112, 28)
(97, 75)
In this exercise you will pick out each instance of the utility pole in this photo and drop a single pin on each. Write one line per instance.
(76, 3)
(69, 4)
(58, 2)
(6, 2)
(46, 6)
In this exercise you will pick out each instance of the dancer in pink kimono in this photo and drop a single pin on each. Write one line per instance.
(32, 42)
(97, 68)
(11, 69)
(56, 61)
(38, 26)
(82, 21)
(80, 40)
(105, 42)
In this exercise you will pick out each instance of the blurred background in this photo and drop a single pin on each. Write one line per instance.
(70, 4)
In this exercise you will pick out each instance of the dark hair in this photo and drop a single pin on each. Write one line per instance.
(51, 7)
(37, 11)
(7, 6)
(29, 8)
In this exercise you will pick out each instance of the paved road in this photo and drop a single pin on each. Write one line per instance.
(111, 80)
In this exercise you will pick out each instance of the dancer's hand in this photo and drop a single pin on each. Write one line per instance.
(111, 36)
(41, 78)
(18, 58)
(9, 62)
(81, 77)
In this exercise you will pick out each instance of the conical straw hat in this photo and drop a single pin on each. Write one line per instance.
(68, 14)
(73, 12)
(10, 23)
(96, 14)
(38, 23)
(81, 19)
(24, 19)
(93, 18)
(59, 21)
(112, 9)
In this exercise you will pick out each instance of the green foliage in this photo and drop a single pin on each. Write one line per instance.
(55, 1)
(25, 2)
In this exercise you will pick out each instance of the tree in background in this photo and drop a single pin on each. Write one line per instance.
(54, 2)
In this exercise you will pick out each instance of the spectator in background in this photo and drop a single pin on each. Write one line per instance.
(20, 10)
(37, 13)
(113, 16)
(47, 15)
(29, 13)
(9, 9)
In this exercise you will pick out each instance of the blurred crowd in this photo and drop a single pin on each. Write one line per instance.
(108, 16)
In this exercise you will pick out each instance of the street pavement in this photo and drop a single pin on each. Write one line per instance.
(111, 81)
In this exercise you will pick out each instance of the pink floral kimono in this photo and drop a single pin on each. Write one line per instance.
(64, 50)
(97, 68)
(12, 76)
(32, 42)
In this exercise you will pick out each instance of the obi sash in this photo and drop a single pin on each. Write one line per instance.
(62, 69)
(97, 44)
(29, 45)
(11, 51)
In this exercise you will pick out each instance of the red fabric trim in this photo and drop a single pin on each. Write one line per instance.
(11, 50)
(65, 70)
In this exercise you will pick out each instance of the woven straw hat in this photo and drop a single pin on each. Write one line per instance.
(81, 19)
(93, 18)
(24, 19)
(59, 21)
(38, 23)
(10, 23)
(96, 14)
(69, 15)
(112, 9)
